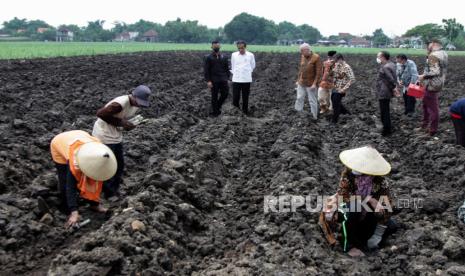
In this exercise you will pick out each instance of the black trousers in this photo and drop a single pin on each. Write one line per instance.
(219, 92)
(409, 103)
(111, 186)
(459, 125)
(241, 89)
(62, 172)
(360, 227)
(338, 107)
(67, 188)
(384, 106)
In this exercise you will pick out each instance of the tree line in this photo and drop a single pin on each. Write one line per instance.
(254, 29)
(450, 31)
(251, 28)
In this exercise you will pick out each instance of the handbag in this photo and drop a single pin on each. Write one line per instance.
(415, 90)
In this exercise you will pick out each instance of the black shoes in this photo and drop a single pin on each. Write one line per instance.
(386, 132)
(215, 114)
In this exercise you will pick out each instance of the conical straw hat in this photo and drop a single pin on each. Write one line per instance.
(96, 161)
(366, 160)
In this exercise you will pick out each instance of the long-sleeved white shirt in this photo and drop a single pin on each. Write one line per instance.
(242, 67)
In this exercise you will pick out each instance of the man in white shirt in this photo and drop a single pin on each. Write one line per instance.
(242, 66)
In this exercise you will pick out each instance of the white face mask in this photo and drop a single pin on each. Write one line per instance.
(378, 60)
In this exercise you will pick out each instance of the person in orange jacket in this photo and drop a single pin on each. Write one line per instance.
(82, 164)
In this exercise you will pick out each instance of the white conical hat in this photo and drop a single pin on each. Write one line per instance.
(96, 161)
(365, 160)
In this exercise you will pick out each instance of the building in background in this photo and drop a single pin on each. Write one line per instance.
(290, 42)
(360, 42)
(64, 35)
(126, 36)
(42, 30)
(150, 36)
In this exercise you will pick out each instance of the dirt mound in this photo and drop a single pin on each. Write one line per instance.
(196, 185)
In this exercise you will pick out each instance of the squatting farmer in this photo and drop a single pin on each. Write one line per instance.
(362, 178)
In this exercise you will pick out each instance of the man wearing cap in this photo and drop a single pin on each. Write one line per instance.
(457, 113)
(307, 79)
(113, 118)
(361, 181)
(82, 164)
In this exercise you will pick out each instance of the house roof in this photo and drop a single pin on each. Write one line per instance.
(42, 30)
(150, 33)
(359, 40)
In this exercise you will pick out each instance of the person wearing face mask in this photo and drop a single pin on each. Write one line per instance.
(242, 66)
(326, 84)
(217, 74)
(433, 79)
(307, 79)
(362, 180)
(407, 74)
(343, 79)
(386, 88)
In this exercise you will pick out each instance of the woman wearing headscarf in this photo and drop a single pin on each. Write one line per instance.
(358, 214)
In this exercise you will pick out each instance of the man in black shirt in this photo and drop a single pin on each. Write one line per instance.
(216, 70)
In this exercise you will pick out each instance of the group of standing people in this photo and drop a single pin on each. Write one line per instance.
(334, 77)
(217, 75)
(393, 80)
(432, 81)
(325, 83)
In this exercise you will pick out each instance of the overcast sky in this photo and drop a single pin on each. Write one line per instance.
(330, 17)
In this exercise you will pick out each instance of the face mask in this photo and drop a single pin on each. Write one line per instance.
(216, 50)
(378, 60)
